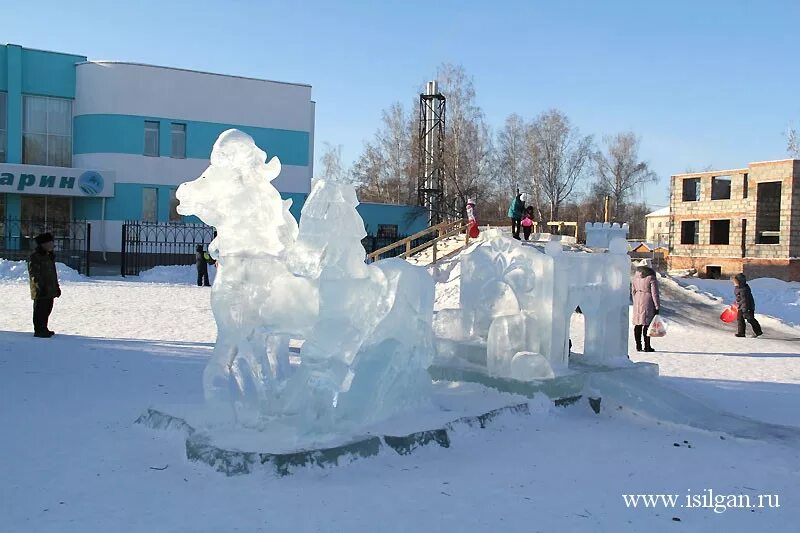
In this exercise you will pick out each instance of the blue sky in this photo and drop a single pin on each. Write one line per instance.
(705, 83)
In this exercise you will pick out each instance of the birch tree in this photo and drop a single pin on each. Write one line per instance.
(561, 157)
(619, 170)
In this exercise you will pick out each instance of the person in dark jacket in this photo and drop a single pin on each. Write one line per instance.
(44, 284)
(203, 259)
(515, 212)
(746, 305)
(646, 305)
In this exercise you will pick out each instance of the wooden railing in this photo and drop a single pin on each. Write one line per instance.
(442, 231)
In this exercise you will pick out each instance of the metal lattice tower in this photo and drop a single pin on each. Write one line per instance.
(430, 184)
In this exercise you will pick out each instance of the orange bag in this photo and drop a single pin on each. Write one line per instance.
(730, 313)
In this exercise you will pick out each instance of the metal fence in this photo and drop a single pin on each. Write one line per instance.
(149, 244)
(72, 240)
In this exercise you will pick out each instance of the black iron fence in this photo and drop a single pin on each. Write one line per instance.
(72, 239)
(149, 244)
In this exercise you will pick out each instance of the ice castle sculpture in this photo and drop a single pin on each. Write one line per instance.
(516, 303)
(366, 328)
(600, 234)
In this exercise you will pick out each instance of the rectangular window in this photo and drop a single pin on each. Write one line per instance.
(720, 232)
(173, 207)
(768, 213)
(387, 231)
(151, 142)
(3, 130)
(46, 131)
(721, 188)
(690, 232)
(691, 189)
(745, 184)
(149, 204)
(178, 133)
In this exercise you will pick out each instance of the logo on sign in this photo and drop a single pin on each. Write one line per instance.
(91, 183)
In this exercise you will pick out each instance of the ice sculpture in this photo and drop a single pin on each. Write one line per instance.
(366, 328)
(517, 301)
(600, 234)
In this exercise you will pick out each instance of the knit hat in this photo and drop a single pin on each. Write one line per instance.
(470, 202)
(43, 238)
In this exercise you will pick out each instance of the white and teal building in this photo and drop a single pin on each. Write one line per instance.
(109, 141)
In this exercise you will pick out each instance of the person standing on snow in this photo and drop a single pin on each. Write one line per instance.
(515, 211)
(527, 222)
(746, 305)
(646, 305)
(202, 259)
(44, 284)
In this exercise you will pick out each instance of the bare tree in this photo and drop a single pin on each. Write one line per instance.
(513, 162)
(333, 168)
(468, 161)
(619, 170)
(560, 158)
(793, 143)
(385, 167)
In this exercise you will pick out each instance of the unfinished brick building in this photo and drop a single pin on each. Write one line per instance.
(742, 220)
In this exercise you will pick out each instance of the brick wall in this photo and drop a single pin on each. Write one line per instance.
(741, 212)
(784, 269)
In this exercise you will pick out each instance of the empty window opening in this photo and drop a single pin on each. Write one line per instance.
(768, 213)
(713, 272)
(745, 183)
(721, 188)
(690, 232)
(720, 232)
(691, 189)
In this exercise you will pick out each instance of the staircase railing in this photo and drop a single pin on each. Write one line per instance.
(442, 231)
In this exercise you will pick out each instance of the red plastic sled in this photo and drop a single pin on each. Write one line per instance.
(730, 313)
(474, 231)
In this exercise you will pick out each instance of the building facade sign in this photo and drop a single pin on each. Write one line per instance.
(56, 181)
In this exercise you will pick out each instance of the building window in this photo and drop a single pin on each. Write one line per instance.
(721, 188)
(744, 186)
(149, 204)
(768, 213)
(46, 131)
(690, 232)
(387, 231)
(3, 130)
(151, 142)
(720, 232)
(691, 189)
(173, 207)
(178, 134)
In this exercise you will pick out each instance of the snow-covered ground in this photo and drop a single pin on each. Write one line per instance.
(71, 458)
(774, 297)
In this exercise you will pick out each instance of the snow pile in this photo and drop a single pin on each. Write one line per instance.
(175, 274)
(367, 328)
(774, 297)
(18, 271)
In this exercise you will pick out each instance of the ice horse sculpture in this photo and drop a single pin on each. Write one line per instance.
(366, 328)
(516, 301)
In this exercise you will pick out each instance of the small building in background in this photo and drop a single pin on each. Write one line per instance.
(657, 227)
(740, 220)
